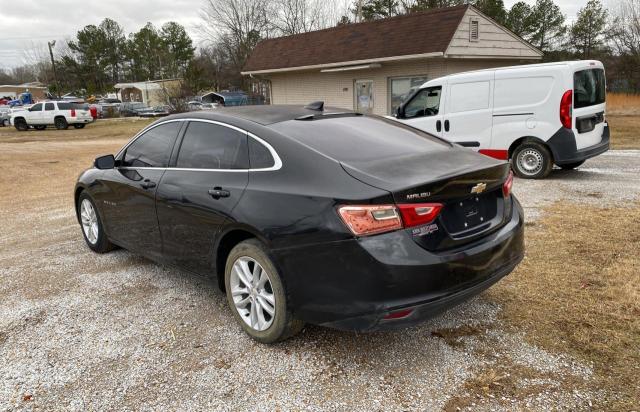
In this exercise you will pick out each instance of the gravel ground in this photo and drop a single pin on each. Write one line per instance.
(80, 331)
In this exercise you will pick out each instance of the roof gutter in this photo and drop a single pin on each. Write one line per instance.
(347, 63)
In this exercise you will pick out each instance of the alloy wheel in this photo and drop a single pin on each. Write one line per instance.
(530, 162)
(89, 220)
(252, 293)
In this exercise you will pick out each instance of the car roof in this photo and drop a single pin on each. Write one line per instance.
(260, 114)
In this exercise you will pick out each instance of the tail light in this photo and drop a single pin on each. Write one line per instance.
(566, 104)
(73, 112)
(373, 219)
(508, 184)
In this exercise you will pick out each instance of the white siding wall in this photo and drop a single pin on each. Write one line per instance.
(493, 40)
(336, 89)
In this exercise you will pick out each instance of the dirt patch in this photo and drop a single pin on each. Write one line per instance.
(578, 291)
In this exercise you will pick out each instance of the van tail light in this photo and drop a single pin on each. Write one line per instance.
(508, 184)
(566, 105)
(364, 220)
(73, 112)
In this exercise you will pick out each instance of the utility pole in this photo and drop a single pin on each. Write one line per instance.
(53, 63)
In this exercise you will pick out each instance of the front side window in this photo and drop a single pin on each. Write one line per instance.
(153, 148)
(212, 146)
(403, 87)
(49, 107)
(588, 88)
(36, 107)
(425, 103)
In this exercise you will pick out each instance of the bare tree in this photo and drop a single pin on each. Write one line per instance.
(300, 16)
(625, 27)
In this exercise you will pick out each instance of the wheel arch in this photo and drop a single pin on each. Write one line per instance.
(76, 199)
(227, 241)
(526, 139)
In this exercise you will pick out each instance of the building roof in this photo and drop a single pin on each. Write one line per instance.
(421, 33)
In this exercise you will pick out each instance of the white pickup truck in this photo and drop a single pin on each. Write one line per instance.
(59, 114)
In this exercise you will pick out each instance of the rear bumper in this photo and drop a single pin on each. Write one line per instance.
(564, 149)
(354, 284)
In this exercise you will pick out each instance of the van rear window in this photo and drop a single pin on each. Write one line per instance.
(588, 88)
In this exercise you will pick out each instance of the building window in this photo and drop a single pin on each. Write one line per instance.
(474, 30)
(400, 88)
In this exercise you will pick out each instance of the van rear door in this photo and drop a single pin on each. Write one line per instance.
(589, 105)
(468, 115)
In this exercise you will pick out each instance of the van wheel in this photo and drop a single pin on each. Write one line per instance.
(61, 123)
(532, 160)
(256, 294)
(571, 166)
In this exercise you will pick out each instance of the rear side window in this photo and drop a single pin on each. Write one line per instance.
(49, 106)
(212, 146)
(588, 88)
(259, 156)
(64, 106)
(153, 148)
(469, 96)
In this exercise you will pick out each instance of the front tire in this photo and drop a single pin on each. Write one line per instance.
(532, 160)
(571, 166)
(91, 224)
(256, 294)
(61, 123)
(21, 125)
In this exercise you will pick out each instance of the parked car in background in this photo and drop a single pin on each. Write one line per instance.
(5, 116)
(129, 109)
(535, 115)
(156, 111)
(309, 215)
(60, 114)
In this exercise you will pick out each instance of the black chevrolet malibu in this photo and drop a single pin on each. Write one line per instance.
(305, 214)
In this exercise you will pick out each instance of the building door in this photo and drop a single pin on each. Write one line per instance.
(363, 96)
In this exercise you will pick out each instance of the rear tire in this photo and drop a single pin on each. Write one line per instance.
(532, 160)
(571, 166)
(61, 123)
(91, 225)
(21, 125)
(79, 125)
(245, 289)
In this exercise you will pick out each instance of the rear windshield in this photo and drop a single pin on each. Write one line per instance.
(361, 138)
(588, 88)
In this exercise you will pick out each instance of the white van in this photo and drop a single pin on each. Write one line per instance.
(535, 115)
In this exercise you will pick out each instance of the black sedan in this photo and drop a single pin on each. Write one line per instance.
(305, 214)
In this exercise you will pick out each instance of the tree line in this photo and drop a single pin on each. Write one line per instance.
(101, 55)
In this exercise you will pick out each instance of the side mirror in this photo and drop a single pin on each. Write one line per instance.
(105, 162)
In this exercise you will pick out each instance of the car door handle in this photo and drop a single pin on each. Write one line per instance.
(438, 126)
(218, 192)
(446, 125)
(148, 184)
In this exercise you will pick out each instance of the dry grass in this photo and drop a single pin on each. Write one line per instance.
(625, 132)
(578, 291)
(102, 129)
(623, 104)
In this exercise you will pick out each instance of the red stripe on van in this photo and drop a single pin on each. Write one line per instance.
(496, 154)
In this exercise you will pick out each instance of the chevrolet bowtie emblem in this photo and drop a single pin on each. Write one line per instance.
(479, 188)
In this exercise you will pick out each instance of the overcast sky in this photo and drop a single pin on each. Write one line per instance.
(28, 24)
